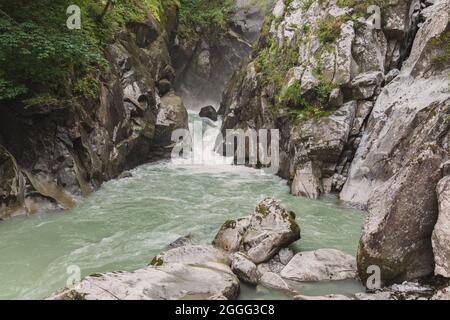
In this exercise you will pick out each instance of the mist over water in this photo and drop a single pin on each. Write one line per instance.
(128, 221)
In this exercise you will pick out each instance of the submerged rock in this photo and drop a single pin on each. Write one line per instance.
(208, 112)
(320, 265)
(181, 242)
(261, 235)
(173, 281)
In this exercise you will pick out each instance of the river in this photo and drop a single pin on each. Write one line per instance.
(128, 221)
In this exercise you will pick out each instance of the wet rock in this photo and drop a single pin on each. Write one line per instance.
(172, 115)
(244, 269)
(261, 235)
(181, 242)
(208, 112)
(174, 281)
(404, 291)
(125, 174)
(164, 86)
(320, 265)
(191, 254)
(273, 281)
(441, 235)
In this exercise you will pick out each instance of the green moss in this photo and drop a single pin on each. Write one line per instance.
(229, 224)
(157, 261)
(442, 42)
(329, 29)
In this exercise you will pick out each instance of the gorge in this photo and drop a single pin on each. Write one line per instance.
(364, 121)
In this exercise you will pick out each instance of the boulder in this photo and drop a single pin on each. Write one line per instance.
(208, 112)
(261, 235)
(320, 265)
(273, 281)
(441, 234)
(174, 281)
(191, 254)
(230, 235)
(307, 181)
(164, 86)
(244, 269)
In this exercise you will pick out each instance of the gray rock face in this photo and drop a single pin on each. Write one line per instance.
(173, 281)
(244, 269)
(320, 265)
(396, 235)
(260, 235)
(204, 66)
(397, 165)
(441, 234)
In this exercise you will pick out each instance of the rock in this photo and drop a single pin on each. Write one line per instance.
(320, 265)
(261, 235)
(381, 295)
(230, 235)
(285, 255)
(307, 181)
(443, 294)
(322, 298)
(164, 86)
(125, 174)
(336, 98)
(146, 32)
(365, 85)
(172, 115)
(271, 228)
(409, 112)
(441, 235)
(191, 254)
(273, 281)
(174, 281)
(208, 112)
(402, 247)
(181, 242)
(404, 291)
(244, 269)
(391, 75)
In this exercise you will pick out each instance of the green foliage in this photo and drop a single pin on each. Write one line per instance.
(41, 57)
(208, 15)
(329, 29)
(306, 4)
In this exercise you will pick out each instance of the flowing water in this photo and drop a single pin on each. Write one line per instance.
(128, 221)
